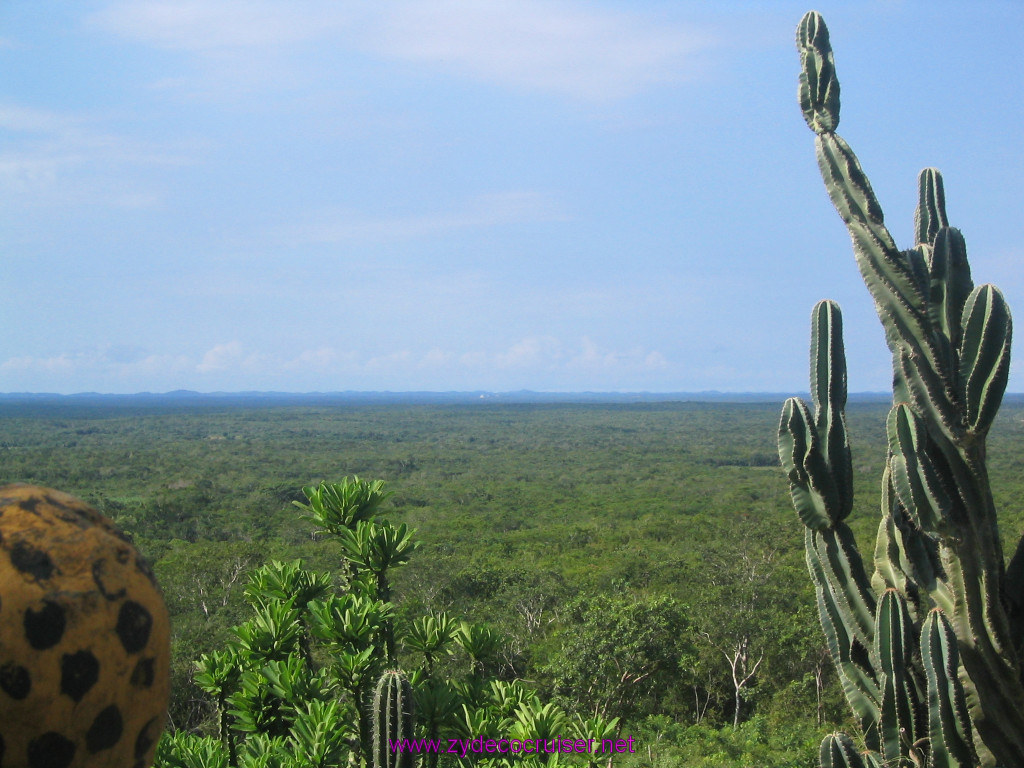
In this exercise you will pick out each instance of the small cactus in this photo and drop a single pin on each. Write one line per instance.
(929, 648)
(393, 718)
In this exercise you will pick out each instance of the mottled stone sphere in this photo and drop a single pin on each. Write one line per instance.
(84, 638)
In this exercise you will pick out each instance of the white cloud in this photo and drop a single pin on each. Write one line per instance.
(60, 159)
(534, 362)
(112, 368)
(593, 357)
(533, 352)
(315, 359)
(232, 357)
(58, 364)
(212, 25)
(553, 46)
(559, 47)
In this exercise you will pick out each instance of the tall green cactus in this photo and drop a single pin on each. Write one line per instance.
(929, 648)
(393, 719)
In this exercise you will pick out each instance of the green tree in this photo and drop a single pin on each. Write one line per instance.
(620, 654)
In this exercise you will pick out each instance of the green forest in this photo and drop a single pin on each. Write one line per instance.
(636, 568)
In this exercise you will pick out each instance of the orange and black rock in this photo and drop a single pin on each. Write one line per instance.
(84, 638)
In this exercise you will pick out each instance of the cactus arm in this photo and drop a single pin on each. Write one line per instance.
(846, 645)
(949, 727)
(930, 215)
(906, 558)
(815, 451)
(900, 700)
(811, 486)
(819, 87)
(949, 285)
(984, 355)
(914, 477)
(844, 569)
(828, 394)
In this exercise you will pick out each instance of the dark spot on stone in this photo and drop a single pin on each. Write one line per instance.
(147, 736)
(105, 730)
(98, 569)
(78, 674)
(28, 559)
(133, 626)
(143, 674)
(124, 554)
(30, 504)
(44, 628)
(63, 506)
(72, 519)
(15, 680)
(51, 750)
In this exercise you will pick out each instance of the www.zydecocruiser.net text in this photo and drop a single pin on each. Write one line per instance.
(481, 745)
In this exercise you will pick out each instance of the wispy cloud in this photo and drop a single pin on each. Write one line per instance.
(211, 26)
(232, 365)
(565, 48)
(112, 369)
(57, 159)
(553, 46)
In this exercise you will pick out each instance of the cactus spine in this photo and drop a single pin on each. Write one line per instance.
(929, 648)
(393, 718)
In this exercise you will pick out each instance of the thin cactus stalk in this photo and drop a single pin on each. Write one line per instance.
(929, 648)
(393, 720)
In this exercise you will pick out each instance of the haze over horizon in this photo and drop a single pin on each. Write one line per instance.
(448, 195)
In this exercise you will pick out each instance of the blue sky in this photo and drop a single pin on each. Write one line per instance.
(227, 195)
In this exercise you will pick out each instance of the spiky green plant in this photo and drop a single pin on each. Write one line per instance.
(928, 650)
(393, 719)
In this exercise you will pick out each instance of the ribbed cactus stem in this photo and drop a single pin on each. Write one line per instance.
(895, 644)
(930, 216)
(949, 726)
(393, 719)
(819, 88)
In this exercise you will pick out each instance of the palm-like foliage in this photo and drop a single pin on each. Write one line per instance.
(377, 547)
(320, 732)
(337, 507)
(595, 730)
(188, 751)
(431, 635)
(348, 620)
(480, 642)
(540, 722)
(272, 634)
(280, 582)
